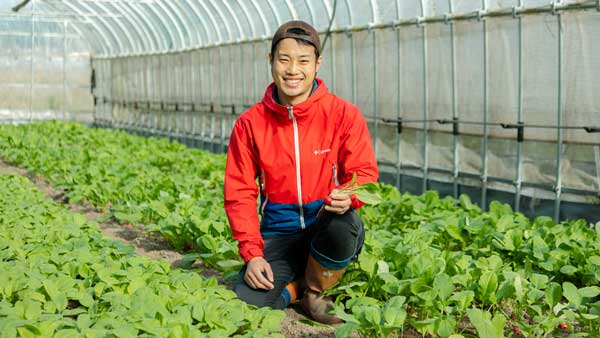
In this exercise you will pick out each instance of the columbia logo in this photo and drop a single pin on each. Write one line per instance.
(321, 151)
(327, 274)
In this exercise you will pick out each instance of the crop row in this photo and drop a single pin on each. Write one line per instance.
(172, 190)
(61, 278)
(446, 261)
(440, 266)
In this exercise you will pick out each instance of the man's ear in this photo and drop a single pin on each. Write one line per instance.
(271, 59)
(319, 61)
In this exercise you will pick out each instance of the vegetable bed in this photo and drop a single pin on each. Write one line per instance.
(61, 278)
(440, 266)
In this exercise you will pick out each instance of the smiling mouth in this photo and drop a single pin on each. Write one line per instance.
(292, 82)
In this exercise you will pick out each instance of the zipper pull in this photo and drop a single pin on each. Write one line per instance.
(290, 112)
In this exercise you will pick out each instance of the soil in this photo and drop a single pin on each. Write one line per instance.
(295, 324)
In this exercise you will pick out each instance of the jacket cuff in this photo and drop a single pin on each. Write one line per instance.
(249, 253)
(355, 202)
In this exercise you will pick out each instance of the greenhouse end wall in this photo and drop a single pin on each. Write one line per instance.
(45, 71)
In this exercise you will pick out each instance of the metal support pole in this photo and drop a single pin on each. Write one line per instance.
(171, 83)
(124, 92)
(352, 67)
(124, 120)
(203, 74)
(597, 158)
(455, 134)
(222, 98)
(155, 91)
(232, 98)
(254, 74)
(398, 111)
(559, 132)
(179, 90)
(425, 113)
(375, 99)
(64, 71)
(189, 98)
(212, 111)
(161, 96)
(243, 79)
(32, 61)
(112, 94)
(193, 99)
(519, 174)
(145, 95)
(484, 153)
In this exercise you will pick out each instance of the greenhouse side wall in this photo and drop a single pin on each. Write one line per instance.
(494, 107)
(45, 71)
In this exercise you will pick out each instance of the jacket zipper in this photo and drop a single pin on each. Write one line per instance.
(297, 153)
(262, 187)
(335, 179)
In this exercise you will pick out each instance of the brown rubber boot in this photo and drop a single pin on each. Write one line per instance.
(319, 279)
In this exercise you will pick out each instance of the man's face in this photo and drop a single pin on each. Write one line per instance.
(293, 68)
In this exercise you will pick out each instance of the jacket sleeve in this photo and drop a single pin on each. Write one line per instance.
(241, 192)
(356, 153)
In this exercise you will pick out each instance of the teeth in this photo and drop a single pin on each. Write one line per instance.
(292, 82)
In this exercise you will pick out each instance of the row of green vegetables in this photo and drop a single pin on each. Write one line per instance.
(172, 190)
(61, 278)
(444, 261)
(440, 266)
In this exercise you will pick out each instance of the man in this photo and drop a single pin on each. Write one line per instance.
(303, 144)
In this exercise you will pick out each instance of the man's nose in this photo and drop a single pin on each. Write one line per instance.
(292, 67)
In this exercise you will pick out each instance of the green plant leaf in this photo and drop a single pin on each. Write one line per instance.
(570, 292)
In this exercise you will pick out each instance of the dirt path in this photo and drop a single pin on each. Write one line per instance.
(157, 247)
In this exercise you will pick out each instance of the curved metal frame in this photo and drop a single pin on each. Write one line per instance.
(83, 31)
(132, 42)
(292, 9)
(261, 15)
(235, 19)
(223, 19)
(275, 12)
(165, 32)
(187, 13)
(110, 45)
(101, 20)
(311, 12)
(152, 34)
(247, 14)
(202, 21)
(374, 11)
(350, 12)
(212, 19)
(161, 5)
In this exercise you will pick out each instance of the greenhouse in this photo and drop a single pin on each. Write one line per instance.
(131, 137)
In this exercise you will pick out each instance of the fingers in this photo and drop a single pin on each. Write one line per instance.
(259, 274)
(338, 202)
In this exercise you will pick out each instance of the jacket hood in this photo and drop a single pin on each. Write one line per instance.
(300, 110)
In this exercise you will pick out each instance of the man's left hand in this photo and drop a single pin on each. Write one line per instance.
(340, 202)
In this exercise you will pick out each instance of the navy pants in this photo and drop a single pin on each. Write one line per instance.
(333, 241)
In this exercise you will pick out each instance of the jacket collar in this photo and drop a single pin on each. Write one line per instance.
(300, 110)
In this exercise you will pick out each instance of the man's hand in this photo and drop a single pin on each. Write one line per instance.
(340, 202)
(259, 274)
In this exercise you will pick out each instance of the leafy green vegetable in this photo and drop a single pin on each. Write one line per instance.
(61, 278)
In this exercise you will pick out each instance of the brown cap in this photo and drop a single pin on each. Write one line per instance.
(297, 30)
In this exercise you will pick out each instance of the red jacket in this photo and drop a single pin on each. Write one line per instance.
(299, 154)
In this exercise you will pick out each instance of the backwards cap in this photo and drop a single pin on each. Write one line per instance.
(297, 30)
